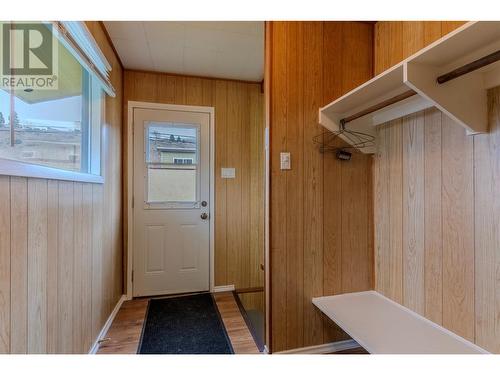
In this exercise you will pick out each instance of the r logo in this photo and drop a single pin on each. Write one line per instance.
(27, 49)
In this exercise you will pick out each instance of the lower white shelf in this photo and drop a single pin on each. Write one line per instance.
(382, 326)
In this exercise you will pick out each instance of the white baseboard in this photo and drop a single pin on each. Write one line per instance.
(108, 323)
(223, 288)
(331, 347)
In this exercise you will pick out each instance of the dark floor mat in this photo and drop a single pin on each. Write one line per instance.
(184, 325)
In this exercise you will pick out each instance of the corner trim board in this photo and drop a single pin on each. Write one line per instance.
(331, 347)
(105, 328)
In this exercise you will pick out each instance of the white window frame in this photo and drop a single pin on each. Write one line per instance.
(12, 167)
(99, 86)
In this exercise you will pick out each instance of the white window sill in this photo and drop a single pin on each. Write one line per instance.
(21, 169)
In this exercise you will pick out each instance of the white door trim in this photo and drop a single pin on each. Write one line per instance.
(129, 167)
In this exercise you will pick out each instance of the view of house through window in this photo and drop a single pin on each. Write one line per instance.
(52, 127)
(172, 159)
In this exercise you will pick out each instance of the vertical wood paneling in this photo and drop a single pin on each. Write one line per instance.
(220, 183)
(487, 224)
(97, 273)
(388, 44)
(4, 264)
(65, 267)
(52, 265)
(180, 90)
(458, 230)
(356, 54)
(356, 268)
(37, 265)
(245, 192)
(438, 199)
(461, 211)
(395, 256)
(313, 257)
(397, 40)
(357, 67)
(381, 210)
(194, 91)
(235, 100)
(412, 37)
(19, 264)
(449, 26)
(389, 211)
(433, 217)
(413, 212)
(381, 47)
(256, 209)
(396, 43)
(294, 187)
(87, 270)
(77, 268)
(278, 198)
(331, 59)
(432, 32)
(309, 254)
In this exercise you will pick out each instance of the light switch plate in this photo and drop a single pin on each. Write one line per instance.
(285, 161)
(228, 172)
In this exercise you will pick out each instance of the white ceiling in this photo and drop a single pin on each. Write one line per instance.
(232, 50)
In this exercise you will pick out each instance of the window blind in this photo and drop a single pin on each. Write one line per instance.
(77, 38)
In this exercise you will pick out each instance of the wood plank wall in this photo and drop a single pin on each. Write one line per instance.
(321, 237)
(60, 270)
(239, 133)
(437, 208)
(396, 40)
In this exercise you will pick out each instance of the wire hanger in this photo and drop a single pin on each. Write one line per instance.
(327, 140)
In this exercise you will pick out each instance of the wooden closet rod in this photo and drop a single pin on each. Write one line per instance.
(470, 67)
(378, 106)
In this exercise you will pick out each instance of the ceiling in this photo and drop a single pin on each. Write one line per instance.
(233, 50)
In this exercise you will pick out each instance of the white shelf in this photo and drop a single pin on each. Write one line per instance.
(462, 99)
(382, 326)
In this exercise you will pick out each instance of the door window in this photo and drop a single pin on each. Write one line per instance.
(172, 161)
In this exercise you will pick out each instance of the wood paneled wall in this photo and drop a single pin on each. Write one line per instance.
(437, 216)
(396, 40)
(321, 238)
(61, 248)
(239, 143)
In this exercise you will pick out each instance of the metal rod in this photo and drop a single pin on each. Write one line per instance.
(376, 107)
(470, 67)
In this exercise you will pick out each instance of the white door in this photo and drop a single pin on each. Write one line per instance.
(171, 202)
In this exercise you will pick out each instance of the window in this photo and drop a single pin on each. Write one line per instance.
(56, 126)
(172, 163)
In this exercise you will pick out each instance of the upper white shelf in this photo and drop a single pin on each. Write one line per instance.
(463, 99)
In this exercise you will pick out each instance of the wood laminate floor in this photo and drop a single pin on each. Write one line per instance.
(125, 332)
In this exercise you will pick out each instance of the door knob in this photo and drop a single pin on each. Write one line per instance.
(204, 216)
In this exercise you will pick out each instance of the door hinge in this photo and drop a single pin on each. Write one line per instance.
(133, 201)
(132, 276)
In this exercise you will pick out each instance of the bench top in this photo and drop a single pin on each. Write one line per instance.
(382, 326)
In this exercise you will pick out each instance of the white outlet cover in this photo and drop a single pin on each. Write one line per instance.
(285, 161)
(228, 172)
